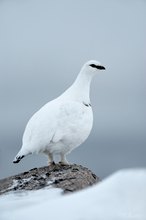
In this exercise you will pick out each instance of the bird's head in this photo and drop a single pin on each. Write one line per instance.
(93, 66)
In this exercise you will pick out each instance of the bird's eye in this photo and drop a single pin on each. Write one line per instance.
(93, 65)
(97, 66)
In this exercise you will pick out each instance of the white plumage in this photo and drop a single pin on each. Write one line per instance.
(64, 123)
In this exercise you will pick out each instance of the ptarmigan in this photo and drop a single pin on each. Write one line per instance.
(63, 123)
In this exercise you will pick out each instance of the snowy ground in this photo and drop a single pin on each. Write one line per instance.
(122, 196)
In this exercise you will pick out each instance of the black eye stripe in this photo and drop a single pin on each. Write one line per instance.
(93, 65)
(97, 66)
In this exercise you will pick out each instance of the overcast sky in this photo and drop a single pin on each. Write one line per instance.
(43, 45)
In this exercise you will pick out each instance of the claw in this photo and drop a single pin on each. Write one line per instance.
(51, 163)
(63, 163)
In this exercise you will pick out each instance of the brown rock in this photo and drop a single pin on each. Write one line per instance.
(70, 178)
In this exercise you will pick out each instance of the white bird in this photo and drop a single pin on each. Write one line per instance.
(63, 123)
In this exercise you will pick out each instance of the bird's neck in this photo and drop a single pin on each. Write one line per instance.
(80, 89)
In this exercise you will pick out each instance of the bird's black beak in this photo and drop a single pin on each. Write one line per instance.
(101, 67)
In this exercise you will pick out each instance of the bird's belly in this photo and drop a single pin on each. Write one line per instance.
(71, 140)
(74, 133)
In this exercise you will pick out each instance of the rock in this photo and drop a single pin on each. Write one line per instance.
(70, 178)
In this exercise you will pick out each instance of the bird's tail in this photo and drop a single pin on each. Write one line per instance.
(19, 156)
(17, 159)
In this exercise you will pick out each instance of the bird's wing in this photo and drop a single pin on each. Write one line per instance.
(41, 127)
(53, 122)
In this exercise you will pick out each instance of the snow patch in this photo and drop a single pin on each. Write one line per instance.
(122, 196)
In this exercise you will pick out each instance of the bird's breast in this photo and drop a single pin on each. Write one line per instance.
(74, 124)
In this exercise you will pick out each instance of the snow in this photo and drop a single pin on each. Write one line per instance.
(122, 196)
(10, 203)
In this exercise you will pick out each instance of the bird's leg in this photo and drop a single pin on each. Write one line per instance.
(63, 160)
(50, 159)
